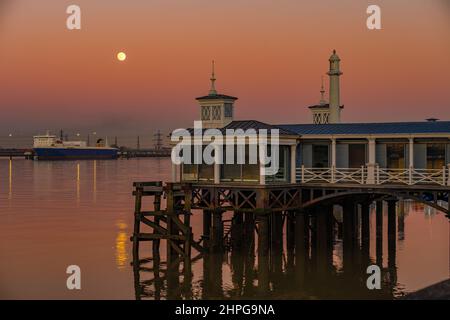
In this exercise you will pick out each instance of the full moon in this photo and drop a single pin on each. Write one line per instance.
(121, 56)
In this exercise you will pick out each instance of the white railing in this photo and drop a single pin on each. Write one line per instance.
(392, 176)
(429, 176)
(377, 175)
(331, 175)
(315, 175)
(412, 176)
(350, 175)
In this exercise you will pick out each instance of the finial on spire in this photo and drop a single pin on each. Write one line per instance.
(213, 91)
(322, 95)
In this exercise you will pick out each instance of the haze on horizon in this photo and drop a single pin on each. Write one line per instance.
(271, 55)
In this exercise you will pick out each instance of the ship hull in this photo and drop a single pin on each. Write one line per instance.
(75, 153)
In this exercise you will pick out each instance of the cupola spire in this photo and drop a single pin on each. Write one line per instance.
(212, 91)
(322, 95)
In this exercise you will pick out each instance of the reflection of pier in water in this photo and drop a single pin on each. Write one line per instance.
(318, 252)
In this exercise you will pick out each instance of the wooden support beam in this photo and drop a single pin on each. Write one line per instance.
(157, 229)
(198, 247)
(181, 226)
(153, 236)
(159, 213)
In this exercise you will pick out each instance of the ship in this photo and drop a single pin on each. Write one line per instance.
(50, 147)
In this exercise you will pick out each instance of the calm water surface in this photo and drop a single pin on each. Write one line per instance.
(55, 214)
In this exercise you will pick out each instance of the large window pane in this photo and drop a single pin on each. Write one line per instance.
(250, 172)
(435, 155)
(320, 156)
(282, 174)
(240, 172)
(206, 172)
(356, 155)
(190, 172)
(230, 172)
(395, 153)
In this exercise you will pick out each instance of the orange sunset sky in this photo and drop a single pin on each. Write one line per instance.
(270, 54)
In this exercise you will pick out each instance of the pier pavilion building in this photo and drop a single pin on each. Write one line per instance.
(328, 151)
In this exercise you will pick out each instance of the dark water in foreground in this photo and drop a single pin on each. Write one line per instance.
(55, 214)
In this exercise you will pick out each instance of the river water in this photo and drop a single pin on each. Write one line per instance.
(56, 214)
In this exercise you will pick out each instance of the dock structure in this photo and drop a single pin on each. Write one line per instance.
(329, 178)
(16, 153)
(264, 220)
(144, 153)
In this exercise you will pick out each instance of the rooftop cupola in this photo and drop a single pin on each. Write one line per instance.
(216, 110)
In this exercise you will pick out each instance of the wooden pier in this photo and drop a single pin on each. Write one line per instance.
(265, 220)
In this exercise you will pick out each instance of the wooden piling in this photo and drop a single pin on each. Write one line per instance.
(137, 223)
(331, 232)
(237, 230)
(349, 237)
(157, 219)
(392, 239)
(276, 242)
(312, 223)
(301, 245)
(249, 229)
(217, 231)
(263, 252)
(207, 226)
(249, 252)
(392, 221)
(290, 239)
(188, 234)
(173, 284)
(171, 253)
(401, 220)
(379, 232)
(206, 283)
(365, 232)
(321, 248)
